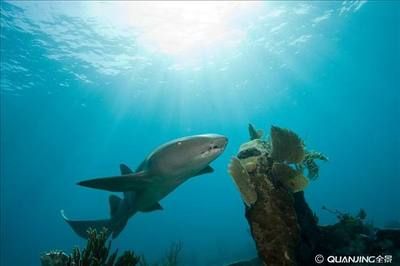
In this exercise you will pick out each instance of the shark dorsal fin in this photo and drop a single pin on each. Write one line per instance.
(155, 207)
(125, 170)
(114, 204)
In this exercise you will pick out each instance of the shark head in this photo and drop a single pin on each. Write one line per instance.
(187, 156)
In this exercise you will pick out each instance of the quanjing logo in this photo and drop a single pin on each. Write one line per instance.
(319, 259)
(354, 259)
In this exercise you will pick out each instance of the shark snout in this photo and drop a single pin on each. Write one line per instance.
(220, 142)
(223, 141)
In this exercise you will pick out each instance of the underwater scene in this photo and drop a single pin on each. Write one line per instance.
(193, 133)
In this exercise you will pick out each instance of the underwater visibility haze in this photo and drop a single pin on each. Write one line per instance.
(88, 86)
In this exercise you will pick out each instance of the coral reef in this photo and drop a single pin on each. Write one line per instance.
(270, 177)
(351, 236)
(266, 181)
(96, 253)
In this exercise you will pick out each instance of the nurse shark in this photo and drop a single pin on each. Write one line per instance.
(161, 172)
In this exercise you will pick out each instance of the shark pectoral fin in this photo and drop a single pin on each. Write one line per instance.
(125, 170)
(123, 183)
(206, 170)
(155, 207)
(114, 204)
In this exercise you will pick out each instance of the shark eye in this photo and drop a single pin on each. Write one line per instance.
(212, 147)
(179, 143)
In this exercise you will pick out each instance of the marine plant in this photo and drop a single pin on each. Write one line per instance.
(96, 253)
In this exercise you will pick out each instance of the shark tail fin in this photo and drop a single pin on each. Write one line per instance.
(114, 202)
(118, 224)
(80, 227)
(118, 227)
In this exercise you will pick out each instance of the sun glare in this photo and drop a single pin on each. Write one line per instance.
(185, 28)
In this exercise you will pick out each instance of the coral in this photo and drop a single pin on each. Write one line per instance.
(351, 235)
(255, 134)
(54, 258)
(269, 210)
(267, 184)
(290, 178)
(286, 146)
(284, 228)
(252, 148)
(96, 253)
(273, 223)
(243, 182)
(310, 164)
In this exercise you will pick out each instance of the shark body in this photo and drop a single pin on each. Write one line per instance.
(162, 171)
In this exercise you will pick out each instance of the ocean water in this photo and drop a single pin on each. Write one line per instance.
(86, 86)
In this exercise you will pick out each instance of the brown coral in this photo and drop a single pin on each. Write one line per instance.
(269, 210)
(290, 178)
(267, 181)
(286, 146)
(243, 182)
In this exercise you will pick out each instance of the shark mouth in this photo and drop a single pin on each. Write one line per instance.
(212, 150)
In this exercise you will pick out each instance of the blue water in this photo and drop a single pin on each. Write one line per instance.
(80, 95)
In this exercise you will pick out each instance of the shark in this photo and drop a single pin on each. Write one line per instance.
(160, 173)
